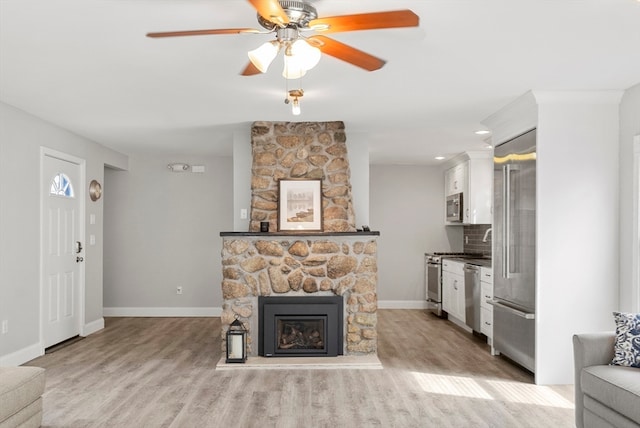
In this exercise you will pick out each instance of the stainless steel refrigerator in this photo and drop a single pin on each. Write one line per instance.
(514, 249)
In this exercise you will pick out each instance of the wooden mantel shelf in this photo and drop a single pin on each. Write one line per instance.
(296, 233)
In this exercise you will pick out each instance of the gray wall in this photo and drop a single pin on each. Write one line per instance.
(21, 136)
(407, 207)
(629, 127)
(242, 161)
(162, 230)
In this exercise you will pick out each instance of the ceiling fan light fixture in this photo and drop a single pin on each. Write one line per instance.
(309, 56)
(299, 57)
(264, 55)
(295, 107)
(289, 18)
(293, 68)
(293, 97)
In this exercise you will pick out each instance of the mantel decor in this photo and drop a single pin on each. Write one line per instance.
(299, 205)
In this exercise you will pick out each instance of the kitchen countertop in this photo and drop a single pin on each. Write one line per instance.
(484, 262)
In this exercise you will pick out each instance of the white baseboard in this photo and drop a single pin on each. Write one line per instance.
(23, 355)
(402, 304)
(162, 312)
(92, 327)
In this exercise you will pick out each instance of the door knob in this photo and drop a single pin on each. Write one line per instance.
(79, 259)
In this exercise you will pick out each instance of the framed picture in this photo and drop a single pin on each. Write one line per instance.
(300, 205)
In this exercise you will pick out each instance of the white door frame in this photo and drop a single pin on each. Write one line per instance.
(45, 151)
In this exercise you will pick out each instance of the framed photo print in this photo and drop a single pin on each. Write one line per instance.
(300, 205)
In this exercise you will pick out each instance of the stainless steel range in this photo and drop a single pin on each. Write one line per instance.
(433, 276)
(433, 279)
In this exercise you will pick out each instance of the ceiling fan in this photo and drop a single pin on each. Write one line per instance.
(288, 20)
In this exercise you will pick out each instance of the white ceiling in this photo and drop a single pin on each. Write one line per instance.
(87, 66)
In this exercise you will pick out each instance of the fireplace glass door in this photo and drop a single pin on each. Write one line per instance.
(301, 334)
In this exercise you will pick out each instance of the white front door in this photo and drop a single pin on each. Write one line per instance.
(62, 248)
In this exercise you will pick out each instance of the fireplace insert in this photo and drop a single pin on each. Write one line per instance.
(300, 326)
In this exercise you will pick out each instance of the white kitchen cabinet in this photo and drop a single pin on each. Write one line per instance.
(486, 310)
(453, 298)
(478, 198)
(473, 177)
(455, 179)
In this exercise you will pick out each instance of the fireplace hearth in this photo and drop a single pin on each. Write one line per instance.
(300, 326)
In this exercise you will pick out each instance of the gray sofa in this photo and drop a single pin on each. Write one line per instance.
(606, 395)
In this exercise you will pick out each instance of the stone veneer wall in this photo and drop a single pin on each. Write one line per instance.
(301, 150)
(302, 265)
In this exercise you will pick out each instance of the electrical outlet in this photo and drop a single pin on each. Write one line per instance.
(5, 326)
(243, 213)
(178, 290)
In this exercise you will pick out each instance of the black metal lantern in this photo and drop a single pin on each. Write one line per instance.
(236, 343)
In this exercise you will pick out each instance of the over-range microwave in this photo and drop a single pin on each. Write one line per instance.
(454, 208)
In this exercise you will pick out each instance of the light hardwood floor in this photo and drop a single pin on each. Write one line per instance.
(160, 372)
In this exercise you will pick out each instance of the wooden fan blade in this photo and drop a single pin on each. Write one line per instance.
(365, 21)
(203, 32)
(346, 53)
(250, 70)
(270, 10)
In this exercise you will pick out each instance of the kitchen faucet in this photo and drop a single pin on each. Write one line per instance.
(486, 234)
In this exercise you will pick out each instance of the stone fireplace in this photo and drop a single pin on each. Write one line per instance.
(271, 264)
(337, 262)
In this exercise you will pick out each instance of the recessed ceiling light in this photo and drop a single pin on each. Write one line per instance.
(439, 158)
(483, 132)
(489, 146)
